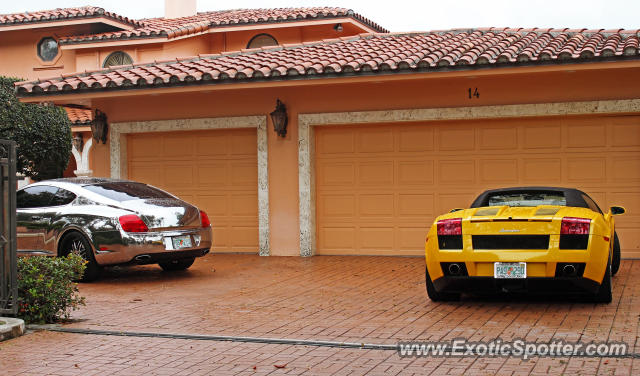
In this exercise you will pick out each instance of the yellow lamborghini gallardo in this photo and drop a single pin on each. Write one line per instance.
(526, 239)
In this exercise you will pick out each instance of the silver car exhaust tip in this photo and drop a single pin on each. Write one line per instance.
(454, 269)
(142, 258)
(569, 270)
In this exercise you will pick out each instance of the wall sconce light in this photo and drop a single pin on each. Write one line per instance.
(99, 127)
(338, 27)
(77, 142)
(279, 118)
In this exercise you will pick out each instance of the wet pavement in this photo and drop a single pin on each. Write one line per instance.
(373, 300)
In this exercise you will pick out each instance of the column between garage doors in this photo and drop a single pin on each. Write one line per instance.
(118, 150)
(306, 141)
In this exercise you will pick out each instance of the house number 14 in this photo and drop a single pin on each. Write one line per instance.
(474, 93)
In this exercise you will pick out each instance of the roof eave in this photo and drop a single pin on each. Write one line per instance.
(332, 78)
(66, 22)
(161, 37)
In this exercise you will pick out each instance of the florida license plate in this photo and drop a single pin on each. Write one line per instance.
(510, 270)
(180, 242)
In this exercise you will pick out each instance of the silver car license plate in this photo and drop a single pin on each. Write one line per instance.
(510, 270)
(180, 242)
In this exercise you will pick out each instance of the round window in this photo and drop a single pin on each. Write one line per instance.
(117, 58)
(48, 49)
(262, 40)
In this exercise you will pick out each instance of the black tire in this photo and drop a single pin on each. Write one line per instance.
(74, 242)
(438, 296)
(174, 265)
(604, 291)
(615, 258)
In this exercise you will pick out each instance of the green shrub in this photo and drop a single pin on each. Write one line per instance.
(42, 134)
(46, 287)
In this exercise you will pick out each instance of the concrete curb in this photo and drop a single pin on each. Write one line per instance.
(10, 328)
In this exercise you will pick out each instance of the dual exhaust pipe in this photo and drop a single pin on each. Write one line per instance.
(459, 269)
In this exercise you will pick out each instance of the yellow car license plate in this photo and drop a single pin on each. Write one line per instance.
(180, 242)
(509, 270)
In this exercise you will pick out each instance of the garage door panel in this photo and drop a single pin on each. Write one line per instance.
(375, 173)
(244, 174)
(332, 206)
(408, 237)
(540, 136)
(503, 138)
(212, 174)
(625, 132)
(337, 173)
(147, 172)
(446, 202)
(587, 135)
(415, 172)
(375, 205)
(243, 205)
(457, 172)
(416, 138)
(626, 168)
(376, 238)
(456, 138)
(178, 175)
(541, 170)
(243, 143)
(212, 145)
(586, 170)
(629, 200)
(180, 146)
(216, 204)
(337, 238)
(220, 236)
(499, 171)
(375, 140)
(403, 189)
(145, 148)
(215, 170)
(415, 205)
(337, 143)
(243, 238)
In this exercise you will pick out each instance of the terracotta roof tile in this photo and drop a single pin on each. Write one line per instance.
(201, 22)
(61, 14)
(367, 53)
(79, 116)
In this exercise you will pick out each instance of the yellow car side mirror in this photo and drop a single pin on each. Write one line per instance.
(617, 210)
(458, 209)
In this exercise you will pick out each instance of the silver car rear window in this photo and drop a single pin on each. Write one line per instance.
(125, 191)
(527, 199)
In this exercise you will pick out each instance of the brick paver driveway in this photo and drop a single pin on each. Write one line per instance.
(373, 300)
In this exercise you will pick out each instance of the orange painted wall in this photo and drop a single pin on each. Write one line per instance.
(418, 93)
(20, 59)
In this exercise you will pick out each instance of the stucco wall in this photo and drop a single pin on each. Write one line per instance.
(441, 91)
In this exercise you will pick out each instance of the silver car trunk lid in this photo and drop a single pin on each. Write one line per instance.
(165, 213)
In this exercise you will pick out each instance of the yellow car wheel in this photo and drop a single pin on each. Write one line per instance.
(604, 292)
(615, 260)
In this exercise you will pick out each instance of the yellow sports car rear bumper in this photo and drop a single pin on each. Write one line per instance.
(542, 266)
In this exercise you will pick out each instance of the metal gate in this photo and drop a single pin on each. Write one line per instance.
(8, 267)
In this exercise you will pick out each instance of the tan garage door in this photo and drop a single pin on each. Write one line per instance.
(216, 170)
(378, 187)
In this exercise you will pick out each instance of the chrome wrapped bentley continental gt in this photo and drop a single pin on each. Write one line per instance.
(110, 222)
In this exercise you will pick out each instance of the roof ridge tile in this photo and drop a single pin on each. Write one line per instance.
(378, 53)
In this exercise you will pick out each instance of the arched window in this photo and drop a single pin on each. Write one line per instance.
(262, 40)
(117, 58)
(47, 49)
